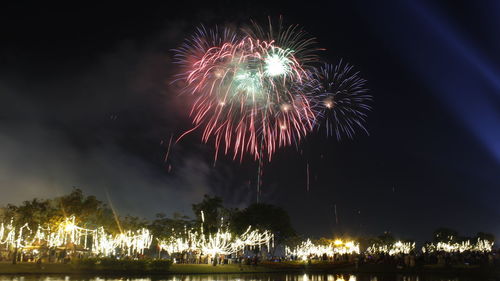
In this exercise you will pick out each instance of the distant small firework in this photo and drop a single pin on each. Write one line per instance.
(256, 90)
(343, 100)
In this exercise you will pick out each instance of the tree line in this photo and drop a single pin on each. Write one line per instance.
(91, 212)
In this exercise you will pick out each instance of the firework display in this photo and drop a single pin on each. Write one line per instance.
(258, 89)
(343, 100)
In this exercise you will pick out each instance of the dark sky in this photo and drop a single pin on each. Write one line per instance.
(85, 101)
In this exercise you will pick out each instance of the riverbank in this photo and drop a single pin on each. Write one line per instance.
(284, 267)
(58, 268)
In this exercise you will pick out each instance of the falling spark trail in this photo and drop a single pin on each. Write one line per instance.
(336, 217)
(307, 176)
(259, 169)
(168, 149)
(186, 132)
(259, 179)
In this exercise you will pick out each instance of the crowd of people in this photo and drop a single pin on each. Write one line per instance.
(412, 259)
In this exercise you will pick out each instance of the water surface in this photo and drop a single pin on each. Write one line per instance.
(250, 277)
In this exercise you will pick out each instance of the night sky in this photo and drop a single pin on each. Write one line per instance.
(86, 101)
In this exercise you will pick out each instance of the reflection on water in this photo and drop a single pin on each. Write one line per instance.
(245, 277)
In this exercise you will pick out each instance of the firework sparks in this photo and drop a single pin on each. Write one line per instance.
(343, 100)
(257, 89)
(307, 177)
(168, 149)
